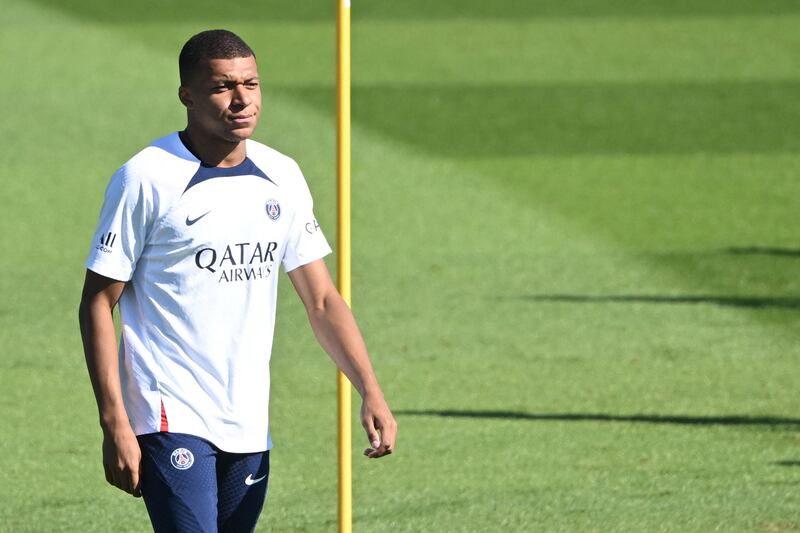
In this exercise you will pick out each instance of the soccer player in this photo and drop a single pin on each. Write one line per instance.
(191, 235)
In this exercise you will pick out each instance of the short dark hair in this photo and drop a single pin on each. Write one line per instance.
(210, 44)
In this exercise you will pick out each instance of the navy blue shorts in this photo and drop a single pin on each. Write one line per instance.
(190, 485)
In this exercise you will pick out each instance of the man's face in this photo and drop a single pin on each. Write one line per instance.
(224, 98)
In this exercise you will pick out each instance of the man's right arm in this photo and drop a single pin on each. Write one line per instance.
(121, 453)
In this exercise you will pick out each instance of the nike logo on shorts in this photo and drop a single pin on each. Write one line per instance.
(190, 221)
(250, 481)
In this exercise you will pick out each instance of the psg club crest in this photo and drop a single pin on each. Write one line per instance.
(273, 209)
(182, 459)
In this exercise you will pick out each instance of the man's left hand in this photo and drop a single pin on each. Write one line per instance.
(379, 424)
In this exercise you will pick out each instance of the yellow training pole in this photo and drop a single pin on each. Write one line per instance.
(343, 259)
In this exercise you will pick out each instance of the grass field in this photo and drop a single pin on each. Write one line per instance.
(576, 256)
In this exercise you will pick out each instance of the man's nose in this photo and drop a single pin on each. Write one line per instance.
(241, 96)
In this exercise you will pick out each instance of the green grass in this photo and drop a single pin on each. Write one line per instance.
(575, 256)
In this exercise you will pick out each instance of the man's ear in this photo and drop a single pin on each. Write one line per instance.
(185, 96)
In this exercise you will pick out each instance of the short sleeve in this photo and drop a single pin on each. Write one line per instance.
(122, 230)
(306, 242)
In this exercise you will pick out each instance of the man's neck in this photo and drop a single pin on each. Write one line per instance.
(213, 152)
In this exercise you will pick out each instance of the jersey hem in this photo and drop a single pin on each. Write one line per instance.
(289, 268)
(220, 445)
(109, 271)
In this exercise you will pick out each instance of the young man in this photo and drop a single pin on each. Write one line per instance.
(190, 238)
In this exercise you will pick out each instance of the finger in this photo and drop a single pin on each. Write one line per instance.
(374, 453)
(124, 475)
(130, 487)
(388, 436)
(125, 481)
(378, 451)
(372, 433)
(109, 474)
(116, 478)
(136, 483)
(382, 450)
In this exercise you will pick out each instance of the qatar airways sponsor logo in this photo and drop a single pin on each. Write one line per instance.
(242, 261)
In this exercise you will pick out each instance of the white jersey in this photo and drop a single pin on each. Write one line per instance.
(201, 247)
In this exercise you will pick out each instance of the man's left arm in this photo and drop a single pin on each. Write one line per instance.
(336, 330)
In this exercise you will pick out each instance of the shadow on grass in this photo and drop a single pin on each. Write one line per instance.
(733, 420)
(497, 120)
(750, 302)
(764, 250)
(786, 463)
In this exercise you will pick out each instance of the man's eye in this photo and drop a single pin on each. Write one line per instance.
(251, 85)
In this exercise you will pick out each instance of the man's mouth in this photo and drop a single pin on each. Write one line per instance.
(241, 119)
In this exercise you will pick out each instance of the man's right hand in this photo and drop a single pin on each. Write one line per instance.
(121, 454)
(122, 459)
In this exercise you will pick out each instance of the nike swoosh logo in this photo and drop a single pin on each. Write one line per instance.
(190, 221)
(250, 481)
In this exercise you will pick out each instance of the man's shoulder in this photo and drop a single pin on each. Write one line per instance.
(271, 160)
(261, 150)
(162, 159)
